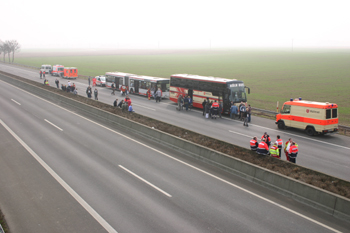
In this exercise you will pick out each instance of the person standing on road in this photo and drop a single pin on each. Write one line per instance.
(113, 89)
(179, 102)
(233, 111)
(96, 94)
(44, 74)
(186, 102)
(204, 103)
(249, 111)
(57, 83)
(287, 147)
(159, 95)
(215, 109)
(279, 142)
(89, 80)
(239, 110)
(148, 94)
(293, 152)
(41, 74)
(254, 144)
(274, 152)
(88, 92)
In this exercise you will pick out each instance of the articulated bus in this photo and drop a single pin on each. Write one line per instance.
(214, 88)
(138, 84)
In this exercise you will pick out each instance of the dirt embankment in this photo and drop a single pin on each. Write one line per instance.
(323, 181)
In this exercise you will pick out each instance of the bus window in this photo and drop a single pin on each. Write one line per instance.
(328, 113)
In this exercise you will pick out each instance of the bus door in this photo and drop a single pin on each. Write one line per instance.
(136, 83)
(190, 93)
(116, 83)
(127, 81)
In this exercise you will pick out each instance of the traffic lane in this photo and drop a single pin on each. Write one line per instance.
(147, 169)
(220, 132)
(32, 200)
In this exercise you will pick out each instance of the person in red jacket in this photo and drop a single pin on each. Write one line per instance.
(254, 143)
(215, 107)
(293, 152)
(263, 148)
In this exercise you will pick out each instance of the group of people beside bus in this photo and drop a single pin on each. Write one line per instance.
(243, 112)
(264, 147)
(211, 109)
(184, 102)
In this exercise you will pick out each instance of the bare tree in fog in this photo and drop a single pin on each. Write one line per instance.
(14, 46)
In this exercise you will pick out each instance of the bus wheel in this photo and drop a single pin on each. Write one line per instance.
(310, 131)
(281, 125)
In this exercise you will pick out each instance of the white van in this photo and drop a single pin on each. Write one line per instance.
(100, 81)
(46, 68)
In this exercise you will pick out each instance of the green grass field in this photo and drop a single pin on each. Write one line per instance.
(272, 75)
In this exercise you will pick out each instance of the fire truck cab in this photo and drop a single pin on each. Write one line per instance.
(70, 72)
(57, 70)
(313, 117)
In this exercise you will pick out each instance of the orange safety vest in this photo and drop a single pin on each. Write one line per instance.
(293, 151)
(280, 143)
(215, 105)
(263, 145)
(253, 145)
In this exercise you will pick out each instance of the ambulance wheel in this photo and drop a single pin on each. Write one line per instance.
(281, 125)
(310, 131)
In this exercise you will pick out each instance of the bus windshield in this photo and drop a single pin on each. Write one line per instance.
(237, 92)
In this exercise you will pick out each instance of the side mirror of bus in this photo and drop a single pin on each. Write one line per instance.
(248, 89)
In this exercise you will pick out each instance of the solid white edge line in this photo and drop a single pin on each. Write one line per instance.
(76, 196)
(15, 101)
(218, 178)
(53, 125)
(240, 134)
(150, 184)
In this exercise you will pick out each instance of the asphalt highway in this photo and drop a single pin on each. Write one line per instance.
(329, 153)
(65, 171)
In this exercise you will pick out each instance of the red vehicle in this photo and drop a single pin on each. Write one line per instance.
(70, 72)
(57, 70)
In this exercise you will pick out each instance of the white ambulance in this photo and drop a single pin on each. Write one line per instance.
(313, 117)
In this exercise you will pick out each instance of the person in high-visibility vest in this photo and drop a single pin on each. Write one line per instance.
(263, 148)
(215, 107)
(274, 152)
(293, 152)
(279, 144)
(254, 144)
(286, 148)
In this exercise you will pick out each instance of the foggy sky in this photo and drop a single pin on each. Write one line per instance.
(176, 24)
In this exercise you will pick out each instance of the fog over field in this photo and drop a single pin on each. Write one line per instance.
(185, 24)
